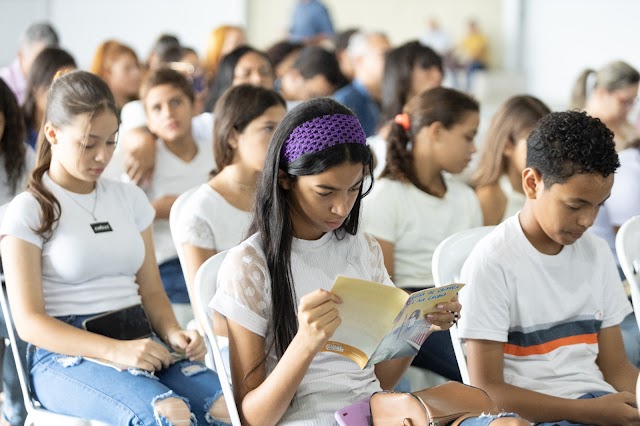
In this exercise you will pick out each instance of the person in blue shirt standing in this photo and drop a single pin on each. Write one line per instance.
(310, 22)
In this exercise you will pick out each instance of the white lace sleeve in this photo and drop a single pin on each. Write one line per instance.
(196, 231)
(244, 290)
(378, 270)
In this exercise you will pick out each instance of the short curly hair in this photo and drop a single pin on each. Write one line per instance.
(567, 143)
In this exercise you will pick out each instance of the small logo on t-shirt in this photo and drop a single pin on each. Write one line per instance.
(100, 227)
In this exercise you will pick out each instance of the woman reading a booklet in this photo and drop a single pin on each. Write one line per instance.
(273, 288)
(76, 246)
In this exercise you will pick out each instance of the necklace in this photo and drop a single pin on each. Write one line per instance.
(95, 203)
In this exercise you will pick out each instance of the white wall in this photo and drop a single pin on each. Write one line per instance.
(402, 20)
(562, 37)
(83, 24)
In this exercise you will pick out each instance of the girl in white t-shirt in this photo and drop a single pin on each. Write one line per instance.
(498, 177)
(75, 246)
(416, 204)
(217, 215)
(273, 288)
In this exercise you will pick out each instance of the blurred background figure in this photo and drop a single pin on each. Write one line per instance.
(609, 94)
(363, 94)
(117, 64)
(474, 49)
(310, 22)
(35, 38)
(43, 70)
(315, 73)
(439, 40)
(282, 55)
(161, 45)
(340, 43)
(221, 41)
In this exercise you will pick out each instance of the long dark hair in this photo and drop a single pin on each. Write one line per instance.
(398, 69)
(225, 73)
(235, 110)
(12, 146)
(44, 68)
(440, 104)
(272, 218)
(70, 95)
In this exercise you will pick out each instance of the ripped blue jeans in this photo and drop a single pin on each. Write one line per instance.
(77, 387)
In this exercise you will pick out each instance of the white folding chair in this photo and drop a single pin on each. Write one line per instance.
(174, 220)
(446, 264)
(36, 414)
(628, 248)
(205, 283)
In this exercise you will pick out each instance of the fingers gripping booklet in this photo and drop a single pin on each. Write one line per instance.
(381, 322)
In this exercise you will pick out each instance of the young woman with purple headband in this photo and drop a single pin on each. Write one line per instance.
(273, 288)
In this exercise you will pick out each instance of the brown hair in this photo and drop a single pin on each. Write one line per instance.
(613, 76)
(213, 50)
(515, 119)
(168, 76)
(70, 95)
(108, 53)
(238, 107)
(439, 104)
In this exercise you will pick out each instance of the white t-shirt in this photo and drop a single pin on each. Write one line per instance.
(244, 295)
(85, 272)
(133, 116)
(6, 193)
(173, 176)
(547, 310)
(379, 147)
(416, 222)
(208, 221)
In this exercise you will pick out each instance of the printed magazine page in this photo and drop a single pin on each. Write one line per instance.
(381, 322)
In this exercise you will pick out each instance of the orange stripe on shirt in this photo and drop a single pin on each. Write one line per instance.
(547, 347)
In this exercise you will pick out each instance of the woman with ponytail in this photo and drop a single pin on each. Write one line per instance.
(416, 204)
(273, 288)
(76, 247)
(609, 94)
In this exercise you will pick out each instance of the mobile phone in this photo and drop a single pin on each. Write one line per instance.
(358, 414)
(128, 323)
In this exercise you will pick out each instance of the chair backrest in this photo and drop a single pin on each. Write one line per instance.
(628, 248)
(36, 414)
(446, 264)
(205, 283)
(174, 220)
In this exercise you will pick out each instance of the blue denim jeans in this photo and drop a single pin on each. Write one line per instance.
(74, 386)
(589, 395)
(173, 281)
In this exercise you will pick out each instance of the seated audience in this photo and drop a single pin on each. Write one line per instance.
(220, 42)
(35, 38)
(282, 56)
(362, 95)
(310, 22)
(16, 161)
(216, 216)
(162, 43)
(315, 73)
(340, 44)
(182, 162)
(273, 288)
(76, 246)
(44, 68)
(117, 64)
(408, 70)
(416, 204)
(609, 94)
(498, 175)
(543, 300)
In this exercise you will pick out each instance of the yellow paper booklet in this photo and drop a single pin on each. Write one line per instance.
(381, 322)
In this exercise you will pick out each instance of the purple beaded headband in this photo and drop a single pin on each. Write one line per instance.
(321, 133)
